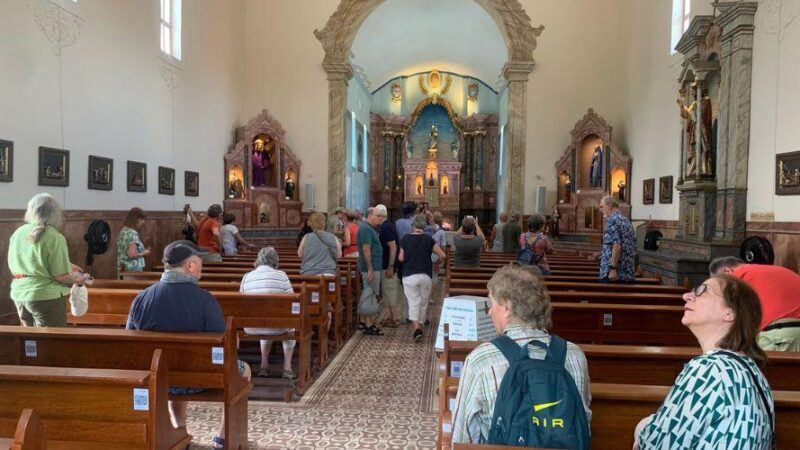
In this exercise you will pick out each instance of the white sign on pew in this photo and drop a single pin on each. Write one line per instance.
(468, 318)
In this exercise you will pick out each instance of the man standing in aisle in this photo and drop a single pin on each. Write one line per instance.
(370, 261)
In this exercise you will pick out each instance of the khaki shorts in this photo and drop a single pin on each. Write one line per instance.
(781, 340)
(43, 313)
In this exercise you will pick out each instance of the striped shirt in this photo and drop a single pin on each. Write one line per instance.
(483, 372)
(713, 405)
(265, 280)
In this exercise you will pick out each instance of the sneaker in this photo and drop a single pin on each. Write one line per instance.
(417, 335)
(374, 331)
(362, 326)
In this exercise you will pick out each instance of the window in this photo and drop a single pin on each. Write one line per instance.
(681, 18)
(171, 28)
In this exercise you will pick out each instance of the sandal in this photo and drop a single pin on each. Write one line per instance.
(374, 331)
(263, 372)
(219, 442)
(289, 374)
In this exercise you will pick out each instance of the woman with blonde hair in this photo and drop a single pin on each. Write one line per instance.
(39, 262)
(130, 249)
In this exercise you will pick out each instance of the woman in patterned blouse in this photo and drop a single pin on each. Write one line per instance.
(720, 399)
(130, 249)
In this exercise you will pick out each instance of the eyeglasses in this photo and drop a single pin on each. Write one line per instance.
(700, 290)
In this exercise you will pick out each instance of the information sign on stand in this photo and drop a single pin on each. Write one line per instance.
(468, 318)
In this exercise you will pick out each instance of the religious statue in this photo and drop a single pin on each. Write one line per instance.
(454, 148)
(706, 148)
(262, 161)
(409, 149)
(444, 189)
(419, 188)
(596, 168)
(690, 138)
(556, 216)
(289, 188)
(430, 181)
(236, 188)
(567, 189)
(434, 133)
(621, 190)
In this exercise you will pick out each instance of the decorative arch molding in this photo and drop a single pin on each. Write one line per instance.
(434, 100)
(520, 37)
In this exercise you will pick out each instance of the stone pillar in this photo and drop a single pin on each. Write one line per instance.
(698, 131)
(479, 159)
(737, 22)
(338, 76)
(468, 161)
(516, 73)
(398, 162)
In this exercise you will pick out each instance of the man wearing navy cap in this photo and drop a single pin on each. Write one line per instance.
(177, 303)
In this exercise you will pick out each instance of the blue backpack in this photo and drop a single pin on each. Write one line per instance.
(538, 404)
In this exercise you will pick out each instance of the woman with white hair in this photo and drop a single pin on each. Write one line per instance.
(39, 262)
(266, 279)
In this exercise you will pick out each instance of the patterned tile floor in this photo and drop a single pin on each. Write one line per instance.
(377, 394)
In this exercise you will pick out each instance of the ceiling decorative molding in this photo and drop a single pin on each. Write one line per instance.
(170, 73)
(777, 15)
(60, 26)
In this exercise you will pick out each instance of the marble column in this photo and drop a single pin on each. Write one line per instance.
(479, 159)
(338, 76)
(516, 73)
(388, 144)
(398, 162)
(468, 162)
(737, 20)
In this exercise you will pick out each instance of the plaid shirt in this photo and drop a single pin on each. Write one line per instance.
(483, 371)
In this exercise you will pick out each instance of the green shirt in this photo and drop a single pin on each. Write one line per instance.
(39, 262)
(368, 236)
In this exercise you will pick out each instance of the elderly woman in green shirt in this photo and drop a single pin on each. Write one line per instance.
(39, 262)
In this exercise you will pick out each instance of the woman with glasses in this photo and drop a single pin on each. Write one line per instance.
(720, 399)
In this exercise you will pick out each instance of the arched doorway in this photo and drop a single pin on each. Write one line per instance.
(520, 37)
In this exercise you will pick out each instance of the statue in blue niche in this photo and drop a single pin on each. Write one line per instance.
(596, 168)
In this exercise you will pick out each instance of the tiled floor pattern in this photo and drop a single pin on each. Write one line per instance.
(376, 394)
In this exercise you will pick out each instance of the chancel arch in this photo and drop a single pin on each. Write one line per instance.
(520, 38)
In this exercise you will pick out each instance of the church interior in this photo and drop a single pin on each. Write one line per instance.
(683, 111)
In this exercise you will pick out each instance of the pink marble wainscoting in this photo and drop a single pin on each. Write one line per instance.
(162, 227)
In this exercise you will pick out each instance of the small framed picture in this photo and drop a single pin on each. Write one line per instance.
(53, 167)
(101, 173)
(787, 173)
(166, 180)
(191, 184)
(648, 191)
(665, 189)
(137, 176)
(6, 161)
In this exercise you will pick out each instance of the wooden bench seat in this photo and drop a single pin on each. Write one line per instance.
(472, 283)
(622, 298)
(93, 409)
(28, 435)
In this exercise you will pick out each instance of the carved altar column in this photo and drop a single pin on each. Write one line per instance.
(388, 158)
(468, 162)
(516, 73)
(479, 159)
(338, 76)
(398, 161)
(733, 149)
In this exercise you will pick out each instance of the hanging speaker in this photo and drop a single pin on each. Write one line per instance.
(541, 196)
(308, 197)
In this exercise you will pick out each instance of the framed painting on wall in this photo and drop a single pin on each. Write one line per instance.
(665, 189)
(137, 176)
(6, 161)
(101, 173)
(787, 176)
(53, 167)
(648, 191)
(191, 183)
(166, 180)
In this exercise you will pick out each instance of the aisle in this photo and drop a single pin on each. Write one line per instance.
(376, 394)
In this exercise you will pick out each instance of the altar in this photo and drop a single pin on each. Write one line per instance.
(432, 181)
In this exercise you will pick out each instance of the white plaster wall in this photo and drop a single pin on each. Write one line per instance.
(105, 96)
(654, 123)
(581, 63)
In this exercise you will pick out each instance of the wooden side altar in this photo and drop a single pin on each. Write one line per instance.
(261, 176)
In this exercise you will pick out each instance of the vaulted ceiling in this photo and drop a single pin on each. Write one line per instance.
(402, 37)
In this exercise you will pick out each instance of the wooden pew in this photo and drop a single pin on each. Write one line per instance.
(611, 297)
(203, 360)
(93, 408)
(29, 434)
(110, 307)
(486, 274)
(472, 283)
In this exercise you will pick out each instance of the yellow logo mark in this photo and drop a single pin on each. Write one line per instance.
(539, 407)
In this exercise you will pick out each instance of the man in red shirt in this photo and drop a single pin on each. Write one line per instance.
(208, 235)
(779, 291)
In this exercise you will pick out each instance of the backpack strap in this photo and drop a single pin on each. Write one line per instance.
(558, 349)
(510, 349)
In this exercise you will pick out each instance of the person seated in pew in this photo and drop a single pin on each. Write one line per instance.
(778, 289)
(38, 259)
(266, 279)
(177, 303)
(521, 310)
(319, 250)
(720, 399)
(468, 244)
